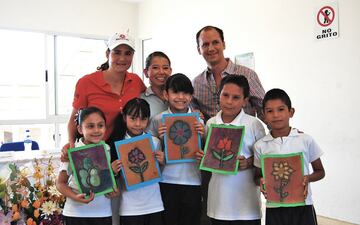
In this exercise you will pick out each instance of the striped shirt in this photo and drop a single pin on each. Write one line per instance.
(207, 96)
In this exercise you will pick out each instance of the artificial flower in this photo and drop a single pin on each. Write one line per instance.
(30, 221)
(36, 213)
(48, 207)
(5, 219)
(36, 204)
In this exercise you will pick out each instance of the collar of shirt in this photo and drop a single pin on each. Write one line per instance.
(127, 135)
(99, 79)
(293, 133)
(149, 92)
(235, 122)
(189, 110)
(228, 70)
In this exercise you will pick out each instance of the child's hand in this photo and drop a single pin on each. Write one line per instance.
(64, 153)
(244, 163)
(201, 115)
(162, 130)
(306, 184)
(160, 157)
(199, 155)
(81, 198)
(199, 127)
(113, 194)
(116, 166)
(262, 187)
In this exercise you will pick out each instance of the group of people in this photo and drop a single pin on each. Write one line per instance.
(112, 104)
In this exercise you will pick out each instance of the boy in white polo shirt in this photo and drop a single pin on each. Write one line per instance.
(284, 139)
(235, 199)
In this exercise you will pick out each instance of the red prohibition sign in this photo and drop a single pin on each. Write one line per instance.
(327, 20)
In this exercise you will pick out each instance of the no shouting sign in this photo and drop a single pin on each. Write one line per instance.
(326, 21)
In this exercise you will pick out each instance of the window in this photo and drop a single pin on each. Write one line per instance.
(37, 83)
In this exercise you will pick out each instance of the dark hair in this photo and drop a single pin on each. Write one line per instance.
(155, 54)
(105, 65)
(207, 28)
(239, 80)
(82, 114)
(277, 93)
(136, 107)
(179, 83)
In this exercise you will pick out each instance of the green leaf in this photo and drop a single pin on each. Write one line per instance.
(144, 167)
(88, 163)
(227, 158)
(216, 155)
(135, 169)
(95, 180)
(83, 173)
(84, 182)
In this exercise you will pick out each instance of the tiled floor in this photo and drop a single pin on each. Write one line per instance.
(328, 221)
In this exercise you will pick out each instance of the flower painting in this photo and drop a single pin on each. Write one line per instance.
(181, 140)
(283, 179)
(137, 158)
(140, 168)
(223, 145)
(92, 169)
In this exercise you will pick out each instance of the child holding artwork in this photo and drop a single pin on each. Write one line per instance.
(142, 206)
(235, 199)
(79, 209)
(284, 139)
(180, 187)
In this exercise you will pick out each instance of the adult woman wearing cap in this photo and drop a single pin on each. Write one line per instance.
(110, 87)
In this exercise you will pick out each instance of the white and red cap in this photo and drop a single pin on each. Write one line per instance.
(119, 39)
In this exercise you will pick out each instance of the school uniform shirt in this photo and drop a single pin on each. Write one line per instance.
(99, 207)
(144, 200)
(178, 173)
(293, 143)
(236, 197)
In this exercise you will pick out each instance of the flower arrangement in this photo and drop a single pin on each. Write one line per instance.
(31, 198)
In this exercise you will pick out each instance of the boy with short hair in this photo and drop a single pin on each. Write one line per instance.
(235, 199)
(284, 139)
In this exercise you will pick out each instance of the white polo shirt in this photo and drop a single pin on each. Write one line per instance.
(144, 200)
(236, 197)
(295, 142)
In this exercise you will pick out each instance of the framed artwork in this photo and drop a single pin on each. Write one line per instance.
(92, 169)
(283, 174)
(223, 145)
(181, 140)
(140, 168)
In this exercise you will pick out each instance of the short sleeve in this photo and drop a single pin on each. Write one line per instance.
(65, 166)
(80, 100)
(256, 155)
(315, 151)
(154, 125)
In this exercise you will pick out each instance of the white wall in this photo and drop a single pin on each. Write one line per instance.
(321, 77)
(90, 18)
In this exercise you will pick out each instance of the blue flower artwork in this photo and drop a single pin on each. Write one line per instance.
(181, 140)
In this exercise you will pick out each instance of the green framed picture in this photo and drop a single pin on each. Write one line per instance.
(223, 145)
(283, 175)
(92, 169)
